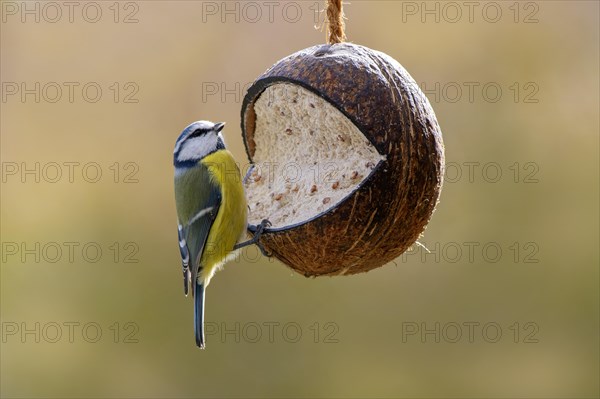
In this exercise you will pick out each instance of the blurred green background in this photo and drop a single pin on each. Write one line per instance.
(506, 305)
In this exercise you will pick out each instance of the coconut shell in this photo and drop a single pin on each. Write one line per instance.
(388, 212)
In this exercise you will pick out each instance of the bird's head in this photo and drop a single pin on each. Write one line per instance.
(197, 141)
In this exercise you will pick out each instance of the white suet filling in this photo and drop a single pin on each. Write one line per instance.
(309, 156)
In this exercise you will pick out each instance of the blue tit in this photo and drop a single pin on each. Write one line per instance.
(211, 210)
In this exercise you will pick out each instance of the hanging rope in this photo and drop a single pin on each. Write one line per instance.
(335, 20)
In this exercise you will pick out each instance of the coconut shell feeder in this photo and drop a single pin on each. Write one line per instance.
(348, 155)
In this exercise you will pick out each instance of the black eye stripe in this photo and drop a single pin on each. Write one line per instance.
(198, 132)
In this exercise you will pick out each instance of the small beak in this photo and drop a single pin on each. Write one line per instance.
(219, 126)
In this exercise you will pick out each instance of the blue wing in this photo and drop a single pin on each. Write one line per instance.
(185, 258)
(198, 201)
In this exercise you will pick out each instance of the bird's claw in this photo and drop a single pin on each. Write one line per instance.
(256, 238)
(266, 223)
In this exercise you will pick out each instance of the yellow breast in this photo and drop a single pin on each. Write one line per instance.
(231, 220)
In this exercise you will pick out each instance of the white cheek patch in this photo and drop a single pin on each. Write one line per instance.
(197, 148)
(204, 125)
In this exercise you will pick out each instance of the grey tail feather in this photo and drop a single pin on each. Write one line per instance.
(199, 315)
